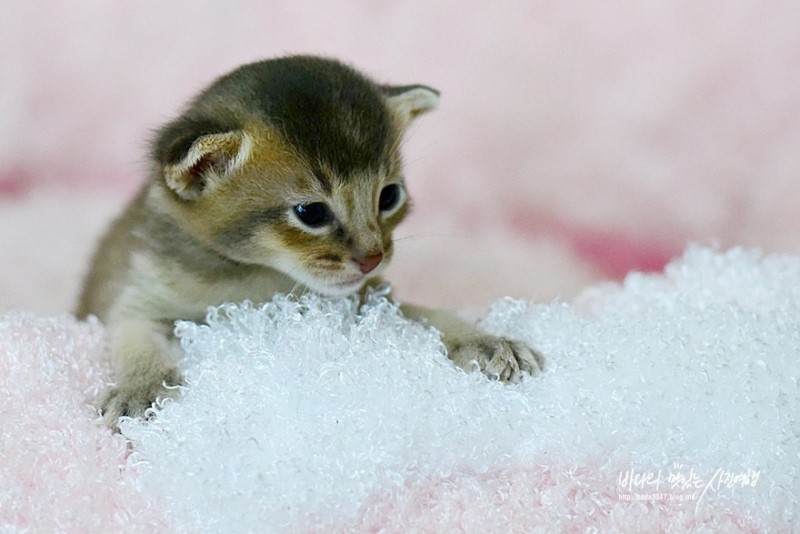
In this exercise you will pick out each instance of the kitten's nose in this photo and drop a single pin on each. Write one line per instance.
(368, 264)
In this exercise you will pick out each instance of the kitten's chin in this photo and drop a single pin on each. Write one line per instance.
(329, 287)
(335, 288)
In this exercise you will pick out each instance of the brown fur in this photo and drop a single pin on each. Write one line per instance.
(218, 219)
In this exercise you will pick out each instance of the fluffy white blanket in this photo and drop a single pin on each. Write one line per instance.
(668, 403)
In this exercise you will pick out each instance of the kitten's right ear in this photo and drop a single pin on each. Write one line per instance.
(196, 156)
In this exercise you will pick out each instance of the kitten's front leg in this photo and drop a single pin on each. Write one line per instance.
(145, 370)
(471, 349)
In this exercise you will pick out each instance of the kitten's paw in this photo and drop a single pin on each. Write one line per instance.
(497, 357)
(133, 397)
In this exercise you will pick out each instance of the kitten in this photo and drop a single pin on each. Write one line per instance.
(284, 175)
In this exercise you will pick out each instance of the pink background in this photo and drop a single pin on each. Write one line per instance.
(575, 141)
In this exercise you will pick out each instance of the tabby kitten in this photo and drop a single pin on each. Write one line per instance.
(284, 175)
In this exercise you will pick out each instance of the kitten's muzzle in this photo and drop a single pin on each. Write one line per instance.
(369, 263)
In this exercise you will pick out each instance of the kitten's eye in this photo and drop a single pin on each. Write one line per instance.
(313, 215)
(390, 196)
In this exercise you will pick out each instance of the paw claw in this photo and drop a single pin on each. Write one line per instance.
(499, 358)
(134, 398)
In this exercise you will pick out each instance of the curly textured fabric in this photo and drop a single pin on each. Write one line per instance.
(304, 412)
(669, 403)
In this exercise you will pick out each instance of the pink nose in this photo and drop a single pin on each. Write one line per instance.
(368, 264)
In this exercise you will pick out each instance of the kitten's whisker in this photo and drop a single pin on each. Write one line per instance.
(431, 233)
(421, 157)
(297, 284)
(431, 149)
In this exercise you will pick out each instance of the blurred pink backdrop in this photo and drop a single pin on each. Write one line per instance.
(575, 141)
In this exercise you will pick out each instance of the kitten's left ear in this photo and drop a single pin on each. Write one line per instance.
(407, 102)
(208, 162)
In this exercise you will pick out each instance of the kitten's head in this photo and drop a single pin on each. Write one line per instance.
(292, 163)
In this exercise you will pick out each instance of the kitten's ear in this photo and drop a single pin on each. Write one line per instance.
(407, 102)
(194, 162)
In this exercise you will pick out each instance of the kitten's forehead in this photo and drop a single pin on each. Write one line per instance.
(359, 181)
(334, 116)
(347, 195)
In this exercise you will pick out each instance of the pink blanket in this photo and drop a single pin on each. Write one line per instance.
(667, 408)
